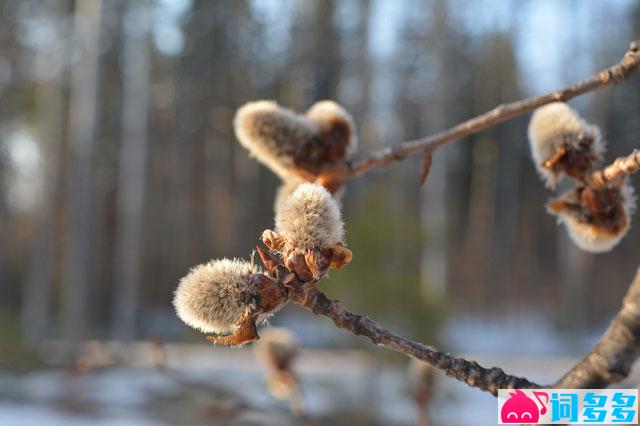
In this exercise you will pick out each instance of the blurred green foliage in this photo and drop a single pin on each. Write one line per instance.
(15, 355)
(384, 279)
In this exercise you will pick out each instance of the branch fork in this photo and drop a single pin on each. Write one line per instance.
(610, 360)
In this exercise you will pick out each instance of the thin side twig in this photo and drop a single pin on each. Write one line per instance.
(427, 162)
(621, 167)
(469, 372)
(617, 73)
(611, 358)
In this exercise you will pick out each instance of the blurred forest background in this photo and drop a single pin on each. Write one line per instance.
(119, 169)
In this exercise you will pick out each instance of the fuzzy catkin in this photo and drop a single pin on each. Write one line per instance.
(284, 191)
(326, 113)
(272, 134)
(296, 147)
(310, 218)
(287, 187)
(557, 124)
(592, 232)
(213, 297)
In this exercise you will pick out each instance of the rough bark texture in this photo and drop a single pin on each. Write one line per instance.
(611, 359)
(469, 372)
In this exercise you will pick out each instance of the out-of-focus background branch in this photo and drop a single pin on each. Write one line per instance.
(119, 170)
(612, 358)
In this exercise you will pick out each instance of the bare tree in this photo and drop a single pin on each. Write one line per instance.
(131, 178)
(36, 309)
(82, 127)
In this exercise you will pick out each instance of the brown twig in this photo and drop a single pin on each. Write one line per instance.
(609, 362)
(306, 294)
(611, 359)
(621, 167)
(469, 372)
(615, 74)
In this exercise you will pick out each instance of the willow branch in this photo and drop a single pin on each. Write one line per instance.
(621, 167)
(609, 362)
(615, 74)
(469, 372)
(611, 359)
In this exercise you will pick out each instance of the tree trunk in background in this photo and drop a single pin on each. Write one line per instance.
(433, 212)
(82, 125)
(245, 183)
(11, 107)
(433, 198)
(433, 224)
(194, 88)
(488, 231)
(36, 299)
(480, 224)
(358, 71)
(132, 172)
(105, 168)
(328, 62)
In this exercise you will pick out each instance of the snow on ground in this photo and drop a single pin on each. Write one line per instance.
(204, 384)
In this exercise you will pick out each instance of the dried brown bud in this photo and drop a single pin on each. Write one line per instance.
(277, 349)
(596, 219)
(562, 142)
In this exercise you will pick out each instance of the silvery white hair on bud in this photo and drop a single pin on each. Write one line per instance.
(592, 237)
(284, 191)
(551, 126)
(287, 187)
(213, 297)
(310, 218)
(272, 134)
(324, 113)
